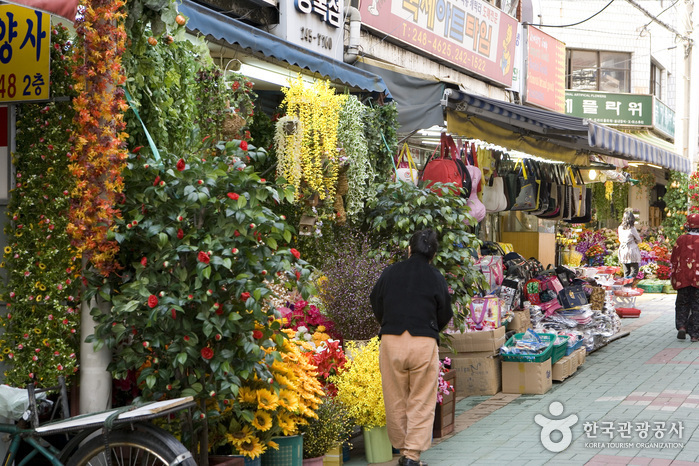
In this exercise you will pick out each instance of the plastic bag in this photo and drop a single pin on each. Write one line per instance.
(14, 402)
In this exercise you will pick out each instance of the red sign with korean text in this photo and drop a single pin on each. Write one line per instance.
(546, 68)
(471, 34)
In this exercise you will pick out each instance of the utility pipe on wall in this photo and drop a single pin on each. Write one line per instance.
(355, 19)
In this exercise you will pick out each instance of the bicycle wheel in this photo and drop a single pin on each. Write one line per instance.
(134, 448)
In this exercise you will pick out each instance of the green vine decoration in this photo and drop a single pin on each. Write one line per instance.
(381, 120)
(676, 205)
(620, 199)
(600, 204)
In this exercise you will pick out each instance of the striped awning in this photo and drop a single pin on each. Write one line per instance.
(627, 145)
(552, 133)
(212, 23)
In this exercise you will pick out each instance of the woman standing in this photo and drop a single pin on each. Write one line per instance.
(629, 254)
(685, 279)
(411, 301)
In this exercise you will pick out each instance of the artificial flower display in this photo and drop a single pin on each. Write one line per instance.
(267, 408)
(359, 385)
(39, 339)
(99, 152)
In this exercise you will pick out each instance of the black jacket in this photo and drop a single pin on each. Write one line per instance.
(412, 295)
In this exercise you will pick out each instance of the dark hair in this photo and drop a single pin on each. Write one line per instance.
(628, 219)
(424, 242)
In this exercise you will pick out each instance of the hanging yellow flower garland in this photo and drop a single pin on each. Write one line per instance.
(317, 108)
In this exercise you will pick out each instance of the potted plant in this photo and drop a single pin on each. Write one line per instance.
(344, 288)
(265, 411)
(359, 389)
(332, 427)
(446, 404)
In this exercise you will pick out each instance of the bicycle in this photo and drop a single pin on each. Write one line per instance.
(123, 432)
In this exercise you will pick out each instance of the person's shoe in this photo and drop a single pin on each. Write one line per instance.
(681, 334)
(695, 339)
(404, 461)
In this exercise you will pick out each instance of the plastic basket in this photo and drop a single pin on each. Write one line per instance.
(559, 350)
(668, 289)
(651, 287)
(290, 452)
(576, 345)
(540, 357)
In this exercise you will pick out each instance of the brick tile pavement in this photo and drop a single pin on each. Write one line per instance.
(647, 378)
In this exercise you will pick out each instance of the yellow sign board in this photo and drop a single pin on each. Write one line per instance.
(25, 41)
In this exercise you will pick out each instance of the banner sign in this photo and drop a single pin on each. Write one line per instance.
(25, 40)
(472, 34)
(610, 108)
(664, 119)
(546, 68)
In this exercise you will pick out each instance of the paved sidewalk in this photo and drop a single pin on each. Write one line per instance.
(639, 392)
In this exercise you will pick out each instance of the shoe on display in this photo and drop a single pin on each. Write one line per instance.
(681, 334)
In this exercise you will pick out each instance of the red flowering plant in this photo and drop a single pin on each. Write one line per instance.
(197, 307)
(328, 358)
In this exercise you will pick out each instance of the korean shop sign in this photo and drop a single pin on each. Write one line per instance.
(313, 24)
(611, 109)
(546, 67)
(25, 41)
(663, 119)
(471, 34)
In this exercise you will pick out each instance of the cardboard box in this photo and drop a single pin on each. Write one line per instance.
(564, 367)
(568, 365)
(582, 353)
(477, 342)
(476, 373)
(528, 378)
(520, 322)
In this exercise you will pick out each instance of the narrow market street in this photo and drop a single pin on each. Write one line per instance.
(638, 392)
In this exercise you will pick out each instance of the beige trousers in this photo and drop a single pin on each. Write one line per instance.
(409, 375)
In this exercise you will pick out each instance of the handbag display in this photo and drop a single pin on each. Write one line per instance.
(485, 313)
(494, 198)
(492, 267)
(406, 170)
(528, 196)
(445, 168)
(572, 297)
(511, 293)
(477, 209)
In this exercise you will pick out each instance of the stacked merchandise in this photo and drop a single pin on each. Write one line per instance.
(560, 302)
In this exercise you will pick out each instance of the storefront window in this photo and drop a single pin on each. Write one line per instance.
(599, 71)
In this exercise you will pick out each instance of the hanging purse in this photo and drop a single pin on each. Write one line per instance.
(528, 196)
(585, 203)
(510, 180)
(406, 170)
(494, 198)
(542, 175)
(475, 205)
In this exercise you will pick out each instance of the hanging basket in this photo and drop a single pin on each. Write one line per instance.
(232, 124)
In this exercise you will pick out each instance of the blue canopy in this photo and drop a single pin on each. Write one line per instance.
(222, 27)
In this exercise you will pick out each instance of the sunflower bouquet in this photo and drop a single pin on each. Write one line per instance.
(265, 409)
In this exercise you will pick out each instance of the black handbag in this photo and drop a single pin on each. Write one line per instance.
(572, 297)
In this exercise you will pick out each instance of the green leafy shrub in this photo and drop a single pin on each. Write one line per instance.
(401, 209)
(201, 249)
